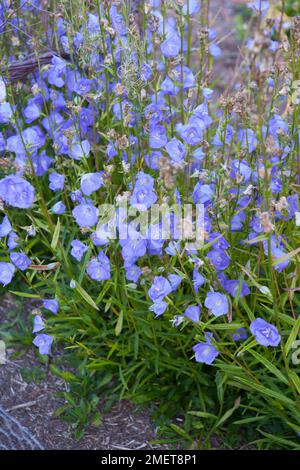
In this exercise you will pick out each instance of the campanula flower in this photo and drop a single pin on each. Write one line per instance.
(86, 215)
(133, 272)
(33, 109)
(174, 280)
(79, 150)
(248, 139)
(12, 240)
(5, 227)
(203, 193)
(51, 304)
(215, 50)
(160, 288)
(232, 287)
(78, 249)
(198, 280)
(265, 333)
(20, 260)
(176, 150)
(193, 312)
(219, 258)
(191, 7)
(6, 113)
(184, 76)
(217, 303)
(157, 137)
(142, 197)
(91, 182)
(168, 87)
(158, 308)
(43, 342)
(132, 249)
(223, 135)
(205, 352)
(239, 334)
(171, 46)
(56, 181)
(6, 273)
(219, 242)
(58, 208)
(192, 132)
(38, 324)
(99, 268)
(16, 192)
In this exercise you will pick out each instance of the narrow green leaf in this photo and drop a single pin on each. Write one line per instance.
(25, 294)
(295, 379)
(269, 366)
(228, 413)
(85, 296)
(119, 324)
(55, 235)
(279, 440)
(202, 414)
(264, 390)
(293, 335)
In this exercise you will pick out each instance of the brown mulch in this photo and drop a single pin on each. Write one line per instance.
(33, 406)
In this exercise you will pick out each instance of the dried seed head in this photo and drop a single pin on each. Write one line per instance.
(266, 222)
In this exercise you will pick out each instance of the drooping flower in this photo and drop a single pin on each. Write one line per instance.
(6, 272)
(78, 150)
(20, 260)
(91, 182)
(170, 47)
(5, 227)
(265, 333)
(51, 304)
(99, 268)
(6, 113)
(43, 342)
(193, 312)
(38, 324)
(159, 289)
(198, 280)
(78, 249)
(233, 287)
(174, 280)
(217, 303)
(248, 139)
(159, 307)
(239, 334)
(12, 240)
(56, 181)
(58, 208)
(203, 193)
(16, 192)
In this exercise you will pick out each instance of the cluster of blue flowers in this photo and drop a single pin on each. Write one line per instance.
(54, 137)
